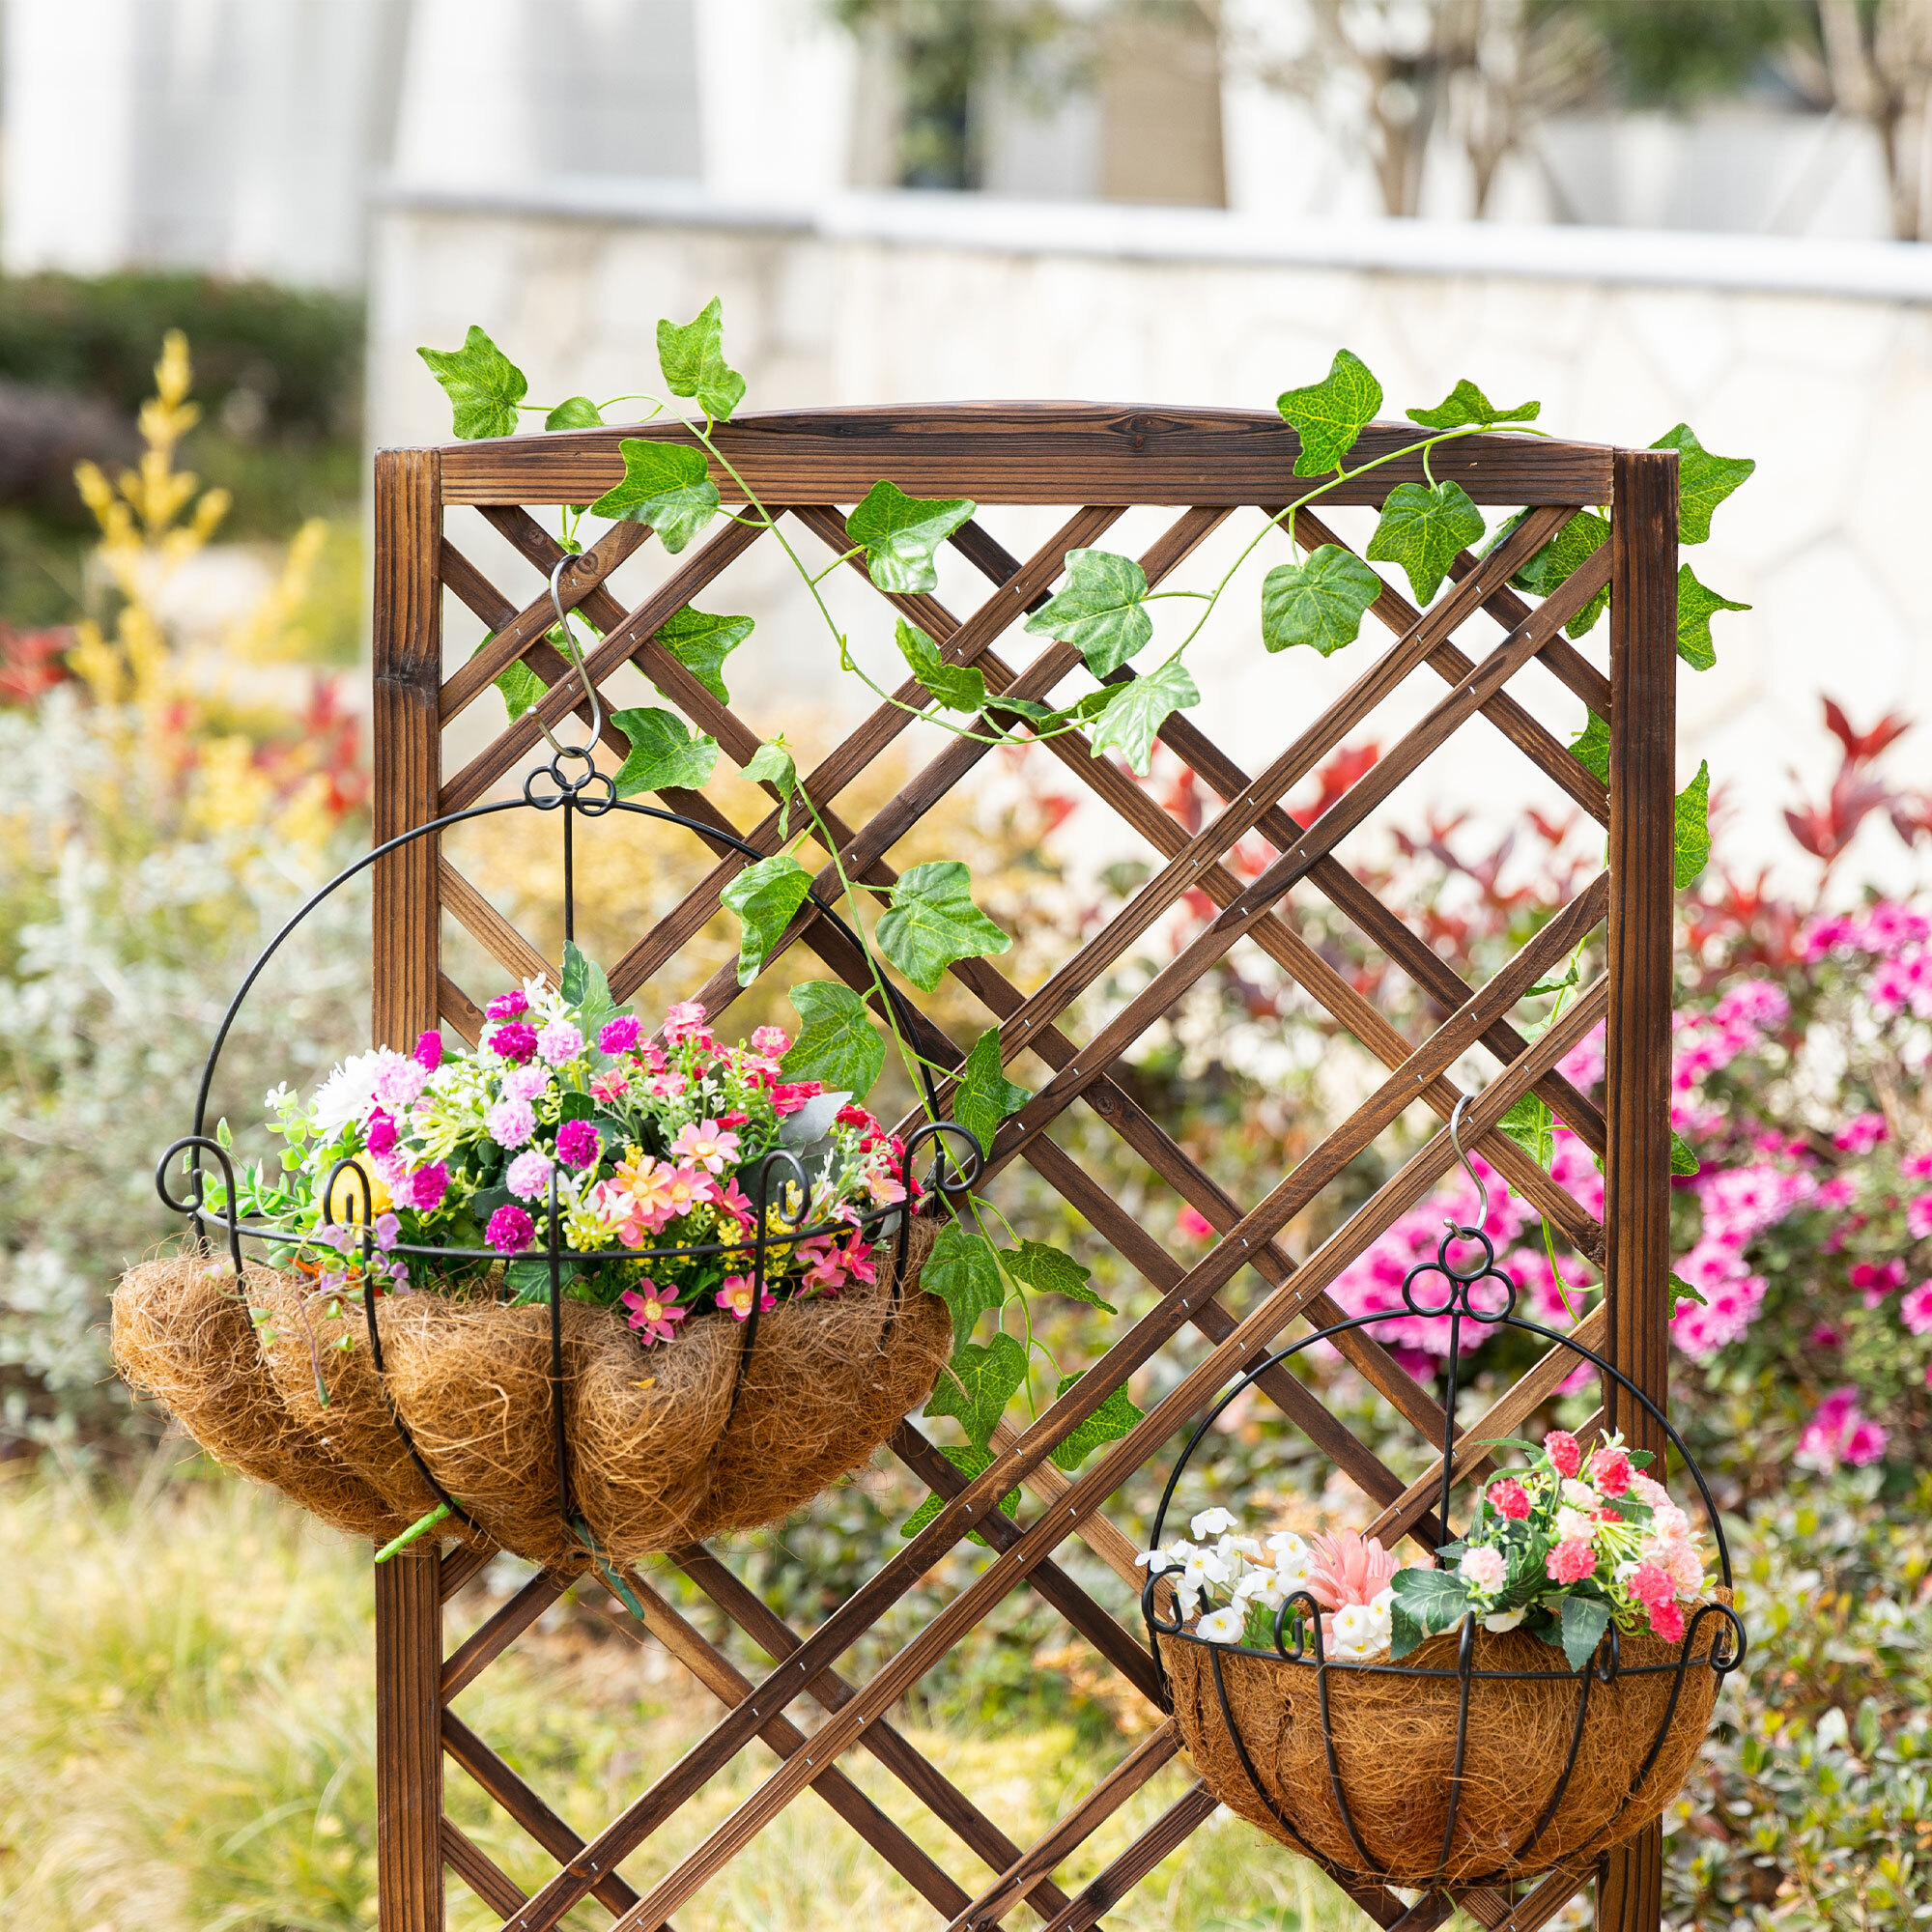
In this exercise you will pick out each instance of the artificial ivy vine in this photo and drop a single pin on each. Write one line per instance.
(1104, 611)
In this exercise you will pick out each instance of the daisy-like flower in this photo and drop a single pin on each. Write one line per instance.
(687, 1187)
(705, 1145)
(1352, 1631)
(654, 1310)
(736, 1296)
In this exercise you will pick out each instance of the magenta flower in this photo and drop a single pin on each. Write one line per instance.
(529, 1175)
(429, 1051)
(511, 1123)
(515, 1041)
(619, 1036)
(1918, 1216)
(509, 1230)
(559, 1042)
(380, 1136)
(507, 1006)
(1915, 1309)
(578, 1143)
(1191, 1224)
(426, 1187)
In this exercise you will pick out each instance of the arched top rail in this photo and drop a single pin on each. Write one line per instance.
(1025, 452)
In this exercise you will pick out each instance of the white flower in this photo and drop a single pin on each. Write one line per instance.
(1259, 1585)
(1504, 1620)
(1483, 1568)
(1212, 1521)
(1579, 1495)
(1221, 1625)
(1382, 1607)
(277, 1098)
(1285, 1543)
(1352, 1631)
(349, 1091)
(1574, 1525)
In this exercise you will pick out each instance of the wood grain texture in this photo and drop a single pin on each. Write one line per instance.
(1636, 1052)
(408, 1755)
(1026, 452)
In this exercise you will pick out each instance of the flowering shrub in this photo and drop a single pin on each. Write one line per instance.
(566, 1107)
(1564, 1547)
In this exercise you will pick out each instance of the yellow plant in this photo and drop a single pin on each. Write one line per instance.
(175, 702)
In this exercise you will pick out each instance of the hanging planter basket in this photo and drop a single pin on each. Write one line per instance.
(545, 1427)
(1480, 1757)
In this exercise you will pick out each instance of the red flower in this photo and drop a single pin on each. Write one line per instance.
(1565, 1452)
(1667, 1620)
(1510, 1498)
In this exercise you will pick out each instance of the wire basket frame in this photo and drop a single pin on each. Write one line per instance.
(1298, 1639)
(781, 1192)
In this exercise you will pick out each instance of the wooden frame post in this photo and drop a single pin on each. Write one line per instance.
(1636, 1060)
(407, 670)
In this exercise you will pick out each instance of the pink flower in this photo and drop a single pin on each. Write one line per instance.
(559, 1042)
(1610, 1469)
(859, 1262)
(578, 1143)
(1510, 1498)
(1572, 1561)
(380, 1136)
(1918, 1216)
(529, 1175)
(515, 1041)
(1838, 1432)
(1860, 1133)
(400, 1083)
(666, 1086)
(1841, 1191)
(1915, 1309)
(654, 1310)
(1917, 1167)
(509, 1230)
(1878, 1279)
(1650, 1585)
(610, 1085)
(1667, 1620)
(683, 1021)
(510, 1122)
(735, 1297)
(507, 1006)
(425, 1188)
(1484, 1569)
(429, 1051)
(706, 1145)
(525, 1083)
(620, 1034)
(771, 1041)
(732, 1199)
(684, 1188)
(1191, 1224)
(789, 1099)
(1865, 1442)
(1349, 1569)
(1676, 1556)
(1565, 1452)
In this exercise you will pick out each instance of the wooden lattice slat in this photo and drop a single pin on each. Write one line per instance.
(1207, 465)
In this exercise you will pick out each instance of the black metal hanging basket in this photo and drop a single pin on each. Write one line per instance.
(1481, 1757)
(545, 1428)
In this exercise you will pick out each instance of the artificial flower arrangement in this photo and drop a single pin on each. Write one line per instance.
(1562, 1548)
(644, 1145)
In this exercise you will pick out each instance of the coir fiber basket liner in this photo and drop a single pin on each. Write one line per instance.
(660, 1454)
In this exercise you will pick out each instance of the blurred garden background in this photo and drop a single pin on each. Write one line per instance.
(226, 227)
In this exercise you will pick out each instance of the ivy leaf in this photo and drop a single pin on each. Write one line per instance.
(1465, 404)
(1591, 747)
(663, 753)
(575, 412)
(958, 687)
(1108, 1423)
(969, 1462)
(692, 361)
(962, 1271)
(1132, 721)
(765, 897)
(1529, 1124)
(837, 1042)
(1681, 1292)
(520, 685)
(1694, 826)
(1100, 612)
(933, 922)
(1703, 481)
(701, 643)
(666, 485)
(1318, 603)
(1579, 539)
(772, 764)
(484, 386)
(1682, 1160)
(1695, 607)
(985, 1096)
(900, 534)
(582, 982)
(975, 1385)
(1054, 1272)
(1328, 416)
(1585, 1619)
(1422, 530)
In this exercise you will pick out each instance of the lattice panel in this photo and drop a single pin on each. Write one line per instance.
(1208, 465)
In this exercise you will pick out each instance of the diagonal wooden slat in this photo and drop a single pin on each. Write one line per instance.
(1119, 1877)
(499, 1632)
(498, 937)
(479, 1871)
(462, 1564)
(455, 1006)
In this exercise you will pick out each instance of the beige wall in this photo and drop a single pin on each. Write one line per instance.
(877, 301)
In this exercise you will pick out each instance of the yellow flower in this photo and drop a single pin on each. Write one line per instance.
(350, 1199)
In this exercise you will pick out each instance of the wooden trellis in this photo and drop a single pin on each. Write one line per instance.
(1207, 464)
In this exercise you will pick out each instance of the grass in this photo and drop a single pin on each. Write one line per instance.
(185, 1694)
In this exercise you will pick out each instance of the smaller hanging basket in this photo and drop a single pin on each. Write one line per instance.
(1480, 1757)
